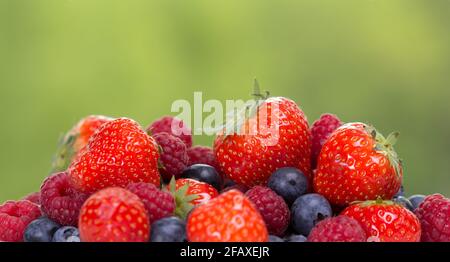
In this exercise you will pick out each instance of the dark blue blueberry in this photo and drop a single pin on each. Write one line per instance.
(404, 202)
(401, 192)
(307, 211)
(66, 234)
(273, 238)
(289, 183)
(296, 238)
(416, 200)
(40, 230)
(169, 229)
(228, 183)
(203, 173)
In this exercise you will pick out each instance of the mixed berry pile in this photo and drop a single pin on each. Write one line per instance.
(114, 181)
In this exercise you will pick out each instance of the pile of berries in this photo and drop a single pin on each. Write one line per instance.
(114, 181)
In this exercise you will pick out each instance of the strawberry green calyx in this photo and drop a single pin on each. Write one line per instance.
(386, 147)
(64, 153)
(182, 200)
(378, 201)
(237, 118)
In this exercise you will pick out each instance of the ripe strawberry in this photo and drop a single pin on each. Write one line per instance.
(114, 215)
(204, 192)
(118, 154)
(385, 221)
(358, 163)
(231, 217)
(75, 140)
(277, 135)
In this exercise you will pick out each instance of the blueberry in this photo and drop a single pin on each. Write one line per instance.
(401, 192)
(404, 202)
(169, 229)
(296, 238)
(40, 230)
(273, 238)
(66, 234)
(203, 173)
(228, 183)
(308, 210)
(289, 183)
(416, 200)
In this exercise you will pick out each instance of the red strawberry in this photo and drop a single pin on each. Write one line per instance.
(118, 154)
(76, 139)
(204, 192)
(358, 163)
(231, 217)
(385, 221)
(277, 135)
(114, 215)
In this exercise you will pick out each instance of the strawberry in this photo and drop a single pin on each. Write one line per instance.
(385, 221)
(75, 140)
(274, 135)
(118, 154)
(114, 215)
(357, 163)
(231, 217)
(189, 193)
(204, 192)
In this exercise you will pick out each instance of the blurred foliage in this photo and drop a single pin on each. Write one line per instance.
(386, 62)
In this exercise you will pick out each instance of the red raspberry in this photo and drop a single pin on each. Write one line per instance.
(202, 155)
(434, 216)
(173, 126)
(15, 217)
(320, 131)
(272, 207)
(60, 201)
(238, 187)
(159, 204)
(174, 158)
(337, 229)
(33, 197)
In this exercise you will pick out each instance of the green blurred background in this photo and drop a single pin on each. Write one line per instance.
(386, 62)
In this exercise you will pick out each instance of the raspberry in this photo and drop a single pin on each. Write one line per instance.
(337, 229)
(174, 158)
(272, 207)
(434, 216)
(202, 155)
(15, 217)
(61, 202)
(33, 197)
(320, 131)
(238, 187)
(159, 204)
(173, 126)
